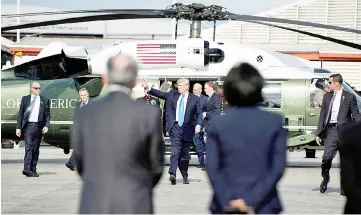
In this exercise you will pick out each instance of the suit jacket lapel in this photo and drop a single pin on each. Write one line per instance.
(41, 109)
(188, 100)
(342, 101)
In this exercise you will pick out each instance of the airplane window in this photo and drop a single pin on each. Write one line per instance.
(272, 94)
(316, 92)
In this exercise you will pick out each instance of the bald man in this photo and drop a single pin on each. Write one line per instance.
(198, 139)
(33, 121)
(118, 146)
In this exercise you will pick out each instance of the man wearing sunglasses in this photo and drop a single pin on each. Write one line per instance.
(339, 109)
(33, 121)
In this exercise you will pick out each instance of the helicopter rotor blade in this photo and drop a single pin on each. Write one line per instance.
(245, 18)
(338, 41)
(121, 14)
(67, 12)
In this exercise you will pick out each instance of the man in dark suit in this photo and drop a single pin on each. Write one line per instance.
(184, 118)
(33, 121)
(84, 100)
(198, 139)
(213, 105)
(117, 144)
(350, 151)
(339, 108)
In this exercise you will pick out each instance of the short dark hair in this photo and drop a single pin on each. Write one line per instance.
(211, 84)
(337, 78)
(243, 86)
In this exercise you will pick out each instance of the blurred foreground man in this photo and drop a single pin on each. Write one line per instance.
(350, 157)
(84, 100)
(33, 121)
(117, 146)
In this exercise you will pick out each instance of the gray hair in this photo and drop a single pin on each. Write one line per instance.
(83, 89)
(122, 70)
(183, 80)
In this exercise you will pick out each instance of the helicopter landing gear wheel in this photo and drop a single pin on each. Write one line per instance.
(310, 153)
(66, 151)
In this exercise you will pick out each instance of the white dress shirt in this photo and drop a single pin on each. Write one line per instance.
(336, 106)
(34, 115)
(184, 106)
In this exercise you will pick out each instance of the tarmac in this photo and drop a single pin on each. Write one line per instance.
(57, 190)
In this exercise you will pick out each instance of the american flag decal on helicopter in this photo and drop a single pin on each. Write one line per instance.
(156, 53)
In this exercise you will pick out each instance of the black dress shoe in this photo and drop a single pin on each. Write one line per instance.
(70, 166)
(35, 174)
(342, 192)
(200, 166)
(172, 179)
(323, 186)
(27, 173)
(185, 181)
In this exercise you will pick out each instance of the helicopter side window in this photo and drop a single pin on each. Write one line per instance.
(317, 92)
(272, 94)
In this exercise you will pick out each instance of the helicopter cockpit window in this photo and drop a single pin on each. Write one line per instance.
(272, 94)
(317, 91)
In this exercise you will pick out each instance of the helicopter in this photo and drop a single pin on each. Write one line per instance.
(62, 72)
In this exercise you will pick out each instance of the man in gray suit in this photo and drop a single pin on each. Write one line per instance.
(84, 100)
(117, 144)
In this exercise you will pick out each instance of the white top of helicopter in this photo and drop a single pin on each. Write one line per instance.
(273, 65)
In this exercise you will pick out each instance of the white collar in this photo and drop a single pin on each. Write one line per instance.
(185, 95)
(339, 92)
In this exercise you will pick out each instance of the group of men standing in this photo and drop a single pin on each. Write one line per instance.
(134, 136)
(187, 117)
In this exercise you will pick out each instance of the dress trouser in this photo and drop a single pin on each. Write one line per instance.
(32, 138)
(180, 151)
(331, 145)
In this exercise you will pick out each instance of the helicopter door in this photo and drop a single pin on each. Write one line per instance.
(164, 87)
(314, 101)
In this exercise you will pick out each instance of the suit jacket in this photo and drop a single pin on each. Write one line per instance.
(213, 107)
(44, 112)
(192, 115)
(119, 155)
(246, 160)
(348, 111)
(350, 151)
(203, 101)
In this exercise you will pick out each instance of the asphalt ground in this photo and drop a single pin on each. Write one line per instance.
(57, 189)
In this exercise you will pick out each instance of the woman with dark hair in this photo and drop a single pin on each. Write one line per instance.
(246, 149)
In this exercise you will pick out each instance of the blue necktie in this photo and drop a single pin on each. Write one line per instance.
(181, 111)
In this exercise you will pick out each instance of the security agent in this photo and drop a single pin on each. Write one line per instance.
(84, 100)
(338, 110)
(33, 121)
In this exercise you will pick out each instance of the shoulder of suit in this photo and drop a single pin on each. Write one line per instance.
(43, 98)
(346, 93)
